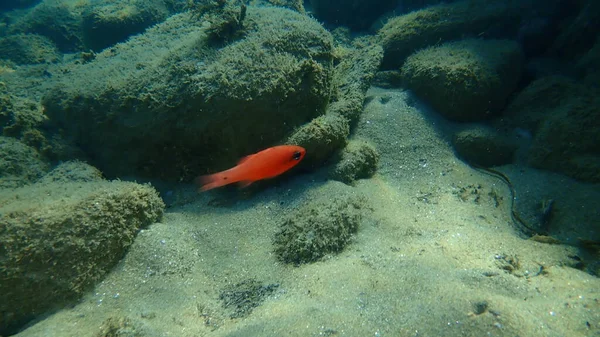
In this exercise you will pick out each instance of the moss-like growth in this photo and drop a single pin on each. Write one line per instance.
(467, 80)
(297, 5)
(403, 35)
(12, 4)
(484, 146)
(353, 76)
(28, 49)
(224, 19)
(19, 164)
(118, 326)
(325, 135)
(186, 107)
(357, 160)
(72, 171)
(24, 119)
(356, 14)
(243, 297)
(19, 115)
(67, 236)
(319, 228)
(564, 118)
(59, 21)
(108, 22)
(321, 137)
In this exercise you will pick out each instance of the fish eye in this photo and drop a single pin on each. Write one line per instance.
(297, 155)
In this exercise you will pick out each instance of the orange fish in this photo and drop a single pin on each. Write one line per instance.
(265, 164)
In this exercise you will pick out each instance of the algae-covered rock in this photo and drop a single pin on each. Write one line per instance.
(319, 228)
(18, 115)
(324, 135)
(59, 238)
(28, 49)
(358, 160)
(108, 22)
(169, 103)
(297, 5)
(403, 35)
(353, 76)
(588, 66)
(59, 21)
(484, 146)
(72, 171)
(19, 164)
(564, 118)
(357, 14)
(12, 4)
(321, 137)
(467, 80)
(24, 119)
(579, 33)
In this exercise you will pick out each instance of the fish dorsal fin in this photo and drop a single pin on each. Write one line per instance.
(244, 159)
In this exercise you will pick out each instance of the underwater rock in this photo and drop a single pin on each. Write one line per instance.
(484, 146)
(297, 5)
(588, 66)
(169, 104)
(358, 14)
(24, 120)
(72, 171)
(13, 4)
(468, 80)
(108, 22)
(403, 35)
(564, 118)
(325, 135)
(388, 79)
(321, 137)
(19, 164)
(579, 33)
(28, 49)
(319, 228)
(19, 115)
(59, 238)
(358, 160)
(57, 20)
(353, 76)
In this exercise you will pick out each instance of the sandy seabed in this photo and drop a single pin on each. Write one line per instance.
(438, 255)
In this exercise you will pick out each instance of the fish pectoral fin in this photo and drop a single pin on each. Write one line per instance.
(245, 183)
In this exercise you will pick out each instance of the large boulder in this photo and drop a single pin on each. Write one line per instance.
(24, 119)
(19, 164)
(484, 146)
(108, 22)
(176, 100)
(13, 4)
(325, 135)
(357, 14)
(62, 235)
(57, 20)
(564, 118)
(83, 25)
(28, 49)
(468, 80)
(403, 35)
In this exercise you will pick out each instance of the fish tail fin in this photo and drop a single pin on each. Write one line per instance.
(208, 182)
